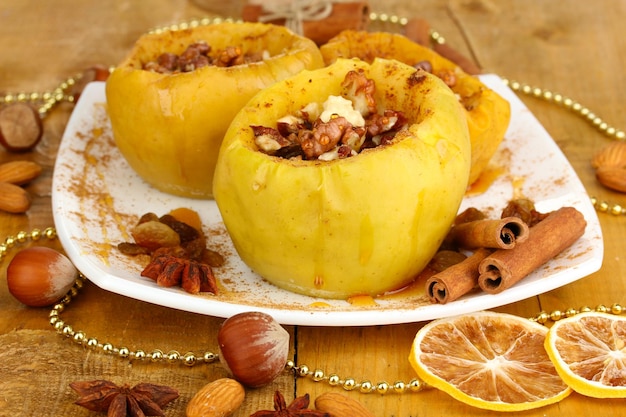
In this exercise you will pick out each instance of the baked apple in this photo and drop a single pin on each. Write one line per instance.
(488, 114)
(333, 224)
(172, 99)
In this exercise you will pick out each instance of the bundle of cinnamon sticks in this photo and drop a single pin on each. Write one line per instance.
(503, 251)
(319, 27)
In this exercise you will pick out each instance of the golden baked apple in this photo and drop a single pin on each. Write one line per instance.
(172, 99)
(337, 223)
(488, 114)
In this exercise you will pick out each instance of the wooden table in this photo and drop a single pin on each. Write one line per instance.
(572, 47)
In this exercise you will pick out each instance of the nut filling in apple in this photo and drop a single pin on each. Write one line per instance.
(341, 127)
(200, 54)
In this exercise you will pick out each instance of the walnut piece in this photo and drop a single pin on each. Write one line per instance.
(347, 125)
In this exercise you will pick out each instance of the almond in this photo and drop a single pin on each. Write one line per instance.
(612, 177)
(338, 405)
(19, 172)
(13, 198)
(219, 398)
(613, 155)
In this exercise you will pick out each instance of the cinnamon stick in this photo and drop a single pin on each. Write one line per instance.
(490, 233)
(345, 15)
(458, 58)
(456, 280)
(418, 30)
(552, 235)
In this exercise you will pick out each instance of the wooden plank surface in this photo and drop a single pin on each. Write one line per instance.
(571, 47)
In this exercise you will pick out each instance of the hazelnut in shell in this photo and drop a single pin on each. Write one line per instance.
(253, 347)
(21, 128)
(40, 276)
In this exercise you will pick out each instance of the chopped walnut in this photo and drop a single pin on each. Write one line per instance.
(230, 56)
(360, 90)
(269, 139)
(324, 136)
(345, 127)
(200, 54)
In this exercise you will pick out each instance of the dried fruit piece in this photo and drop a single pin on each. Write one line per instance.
(589, 353)
(188, 216)
(154, 234)
(489, 360)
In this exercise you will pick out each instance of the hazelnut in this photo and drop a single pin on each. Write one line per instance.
(21, 128)
(253, 347)
(40, 276)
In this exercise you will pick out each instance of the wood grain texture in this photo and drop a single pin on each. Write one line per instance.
(571, 47)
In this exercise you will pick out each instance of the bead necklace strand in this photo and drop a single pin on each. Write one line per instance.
(46, 100)
(190, 358)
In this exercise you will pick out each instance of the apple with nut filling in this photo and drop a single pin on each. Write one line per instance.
(172, 99)
(364, 204)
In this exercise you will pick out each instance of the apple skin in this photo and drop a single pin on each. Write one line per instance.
(361, 225)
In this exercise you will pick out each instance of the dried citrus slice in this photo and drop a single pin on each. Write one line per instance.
(489, 360)
(589, 352)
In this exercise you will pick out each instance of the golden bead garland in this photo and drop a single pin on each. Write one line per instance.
(23, 237)
(174, 357)
(46, 100)
(569, 104)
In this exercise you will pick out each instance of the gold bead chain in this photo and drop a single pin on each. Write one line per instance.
(569, 104)
(46, 100)
(190, 359)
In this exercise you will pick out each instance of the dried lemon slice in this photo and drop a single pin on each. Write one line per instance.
(589, 353)
(489, 360)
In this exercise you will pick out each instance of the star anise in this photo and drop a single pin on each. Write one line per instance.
(192, 276)
(143, 399)
(297, 408)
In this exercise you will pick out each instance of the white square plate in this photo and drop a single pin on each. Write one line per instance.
(97, 198)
